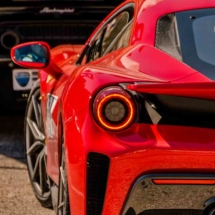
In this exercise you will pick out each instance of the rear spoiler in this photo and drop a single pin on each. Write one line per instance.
(203, 90)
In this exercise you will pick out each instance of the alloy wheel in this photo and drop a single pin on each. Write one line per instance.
(63, 196)
(36, 149)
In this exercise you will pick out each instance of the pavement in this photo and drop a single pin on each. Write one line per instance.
(16, 195)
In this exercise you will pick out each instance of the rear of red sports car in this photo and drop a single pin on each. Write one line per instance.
(132, 121)
(144, 128)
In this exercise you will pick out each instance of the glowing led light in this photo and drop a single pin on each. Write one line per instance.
(115, 111)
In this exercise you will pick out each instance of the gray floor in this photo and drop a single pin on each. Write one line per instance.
(16, 196)
(11, 136)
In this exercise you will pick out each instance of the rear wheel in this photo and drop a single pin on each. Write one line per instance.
(63, 195)
(36, 149)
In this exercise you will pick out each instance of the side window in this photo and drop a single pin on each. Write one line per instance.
(96, 48)
(113, 35)
(113, 29)
(122, 39)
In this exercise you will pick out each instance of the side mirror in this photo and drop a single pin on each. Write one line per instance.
(31, 55)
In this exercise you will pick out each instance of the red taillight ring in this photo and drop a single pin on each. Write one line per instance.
(104, 98)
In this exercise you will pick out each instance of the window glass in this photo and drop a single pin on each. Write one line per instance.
(189, 36)
(204, 36)
(96, 48)
(122, 40)
(113, 35)
(113, 29)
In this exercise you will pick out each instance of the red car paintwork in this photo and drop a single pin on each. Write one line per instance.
(141, 148)
(195, 90)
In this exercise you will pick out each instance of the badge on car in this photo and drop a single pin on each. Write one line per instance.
(22, 78)
(57, 10)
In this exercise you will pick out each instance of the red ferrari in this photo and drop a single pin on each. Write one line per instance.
(125, 124)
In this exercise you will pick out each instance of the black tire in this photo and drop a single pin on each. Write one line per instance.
(63, 193)
(35, 148)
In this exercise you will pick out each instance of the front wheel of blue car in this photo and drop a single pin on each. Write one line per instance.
(36, 149)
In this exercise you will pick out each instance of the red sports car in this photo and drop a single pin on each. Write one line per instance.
(125, 124)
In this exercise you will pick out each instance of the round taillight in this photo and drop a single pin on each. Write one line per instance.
(114, 109)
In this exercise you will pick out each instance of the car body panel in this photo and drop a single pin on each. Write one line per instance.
(143, 149)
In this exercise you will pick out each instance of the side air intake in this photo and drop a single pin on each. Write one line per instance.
(97, 174)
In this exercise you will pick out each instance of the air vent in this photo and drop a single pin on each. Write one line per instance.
(54, 31)
(97, 174)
